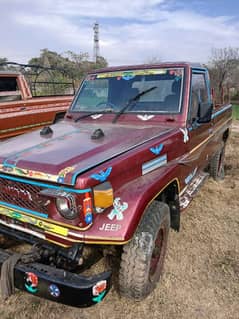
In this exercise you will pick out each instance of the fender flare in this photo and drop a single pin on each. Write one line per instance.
(141, 192)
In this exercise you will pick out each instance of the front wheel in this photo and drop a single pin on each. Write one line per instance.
(143, 257)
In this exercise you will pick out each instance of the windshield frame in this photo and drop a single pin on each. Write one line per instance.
(128, 111)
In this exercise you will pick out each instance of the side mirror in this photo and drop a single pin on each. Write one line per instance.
(205, 112)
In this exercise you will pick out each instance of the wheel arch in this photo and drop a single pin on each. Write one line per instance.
(225, 135)
(139, 196)
(170, 195)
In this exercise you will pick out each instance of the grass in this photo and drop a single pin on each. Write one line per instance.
(235, 112)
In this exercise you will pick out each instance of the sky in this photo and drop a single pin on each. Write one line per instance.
(131, 31)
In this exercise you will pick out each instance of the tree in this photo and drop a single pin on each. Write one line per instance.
(223, 66)
(100, 63)
(73, 66)
(153, 60)
(2, 61)
(5, 65)
(76, 65)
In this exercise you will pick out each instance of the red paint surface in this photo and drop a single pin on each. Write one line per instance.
(125, 147)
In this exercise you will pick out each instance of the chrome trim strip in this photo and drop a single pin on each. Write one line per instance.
(153, 164)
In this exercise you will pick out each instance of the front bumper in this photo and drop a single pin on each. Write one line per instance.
(59, 285)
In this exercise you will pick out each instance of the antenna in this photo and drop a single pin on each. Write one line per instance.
(96, 50)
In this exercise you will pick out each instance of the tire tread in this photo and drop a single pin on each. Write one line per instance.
(134, 267)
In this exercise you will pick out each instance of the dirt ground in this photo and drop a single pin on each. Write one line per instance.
(201, 277)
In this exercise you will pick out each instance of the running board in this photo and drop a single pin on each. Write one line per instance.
(191, 190)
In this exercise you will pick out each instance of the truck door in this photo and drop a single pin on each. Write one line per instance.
(200, 103)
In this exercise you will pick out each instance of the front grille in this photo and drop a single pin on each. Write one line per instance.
(22, 195)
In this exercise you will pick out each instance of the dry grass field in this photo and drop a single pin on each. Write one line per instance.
(201, 277)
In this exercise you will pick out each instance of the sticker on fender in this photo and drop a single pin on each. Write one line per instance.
(33, 221)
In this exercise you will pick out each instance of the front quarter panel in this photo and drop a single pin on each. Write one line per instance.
(136, 189)
(119, 222)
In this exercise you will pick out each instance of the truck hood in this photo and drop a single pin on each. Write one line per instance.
(71, 150)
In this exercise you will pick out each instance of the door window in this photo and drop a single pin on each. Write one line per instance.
(199, 101)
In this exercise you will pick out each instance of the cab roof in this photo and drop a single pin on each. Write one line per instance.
(148, 66)
(9, 73)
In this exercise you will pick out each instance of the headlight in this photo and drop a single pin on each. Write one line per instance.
(66, 206)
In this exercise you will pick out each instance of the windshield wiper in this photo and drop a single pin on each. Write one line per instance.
(129, 103)
(92, 113)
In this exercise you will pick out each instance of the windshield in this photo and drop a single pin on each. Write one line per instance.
(109, 92)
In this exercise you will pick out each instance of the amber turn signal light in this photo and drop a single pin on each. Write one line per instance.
(103, 195)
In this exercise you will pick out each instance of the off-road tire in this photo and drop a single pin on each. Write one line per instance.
(138, 275)
(216, 166)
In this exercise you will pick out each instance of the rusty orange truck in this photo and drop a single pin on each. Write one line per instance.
(21, 112)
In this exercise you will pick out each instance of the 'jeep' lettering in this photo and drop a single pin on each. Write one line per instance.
(110, 227)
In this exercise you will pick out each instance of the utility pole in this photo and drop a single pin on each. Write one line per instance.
(96, 50)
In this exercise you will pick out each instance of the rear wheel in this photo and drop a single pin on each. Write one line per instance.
(216, 168)
(143, 257)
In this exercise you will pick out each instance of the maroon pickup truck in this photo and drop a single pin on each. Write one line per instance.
(20, 112)
(110, 181)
